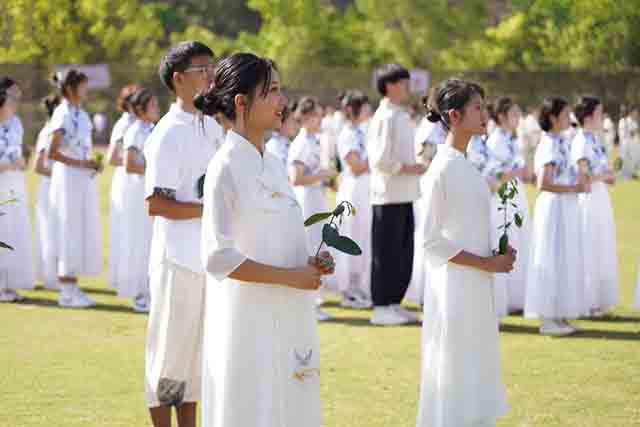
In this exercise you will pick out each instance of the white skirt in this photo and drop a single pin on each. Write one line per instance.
(261, 357)
(461, 365)
(17, 266)
(354, 272)
(510, 289)
(135, 242)
(47, 266)
(555, 285)
(78, 236)
(601, 259)
(116, 221)
(419, 275)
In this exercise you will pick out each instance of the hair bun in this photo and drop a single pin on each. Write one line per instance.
(433, 116)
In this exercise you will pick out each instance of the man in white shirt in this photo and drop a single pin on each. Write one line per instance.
(177, 155)
(394, 187)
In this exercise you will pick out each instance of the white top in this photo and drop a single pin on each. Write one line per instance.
(351, 140)
(76, 126)
(121, 126)
(429, 134)
(306, 149)
(136, 137)
(278, 145)
(586, 146)
(628, 130)
(43, 143)
(555, 150)
(503, 151)
(177, 154)
(390, 145)
(11, 134)
(240, 185)
(478, 154)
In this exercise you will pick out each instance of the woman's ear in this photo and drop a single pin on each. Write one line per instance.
(240, 101)
(454, 117)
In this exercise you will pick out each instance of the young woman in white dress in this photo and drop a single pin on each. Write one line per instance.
(353, 274)
(555, 282)
(115, 157)
(461, 370)
(281, 138)
(506, 163)
(137, 225)
(307, 175)
(590, 158)
(261, 346)
(74, 192)
(47, 266)
(16, 266)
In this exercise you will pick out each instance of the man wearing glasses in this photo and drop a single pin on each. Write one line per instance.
(177, 155)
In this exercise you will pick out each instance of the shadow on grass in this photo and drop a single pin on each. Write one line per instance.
(336, 304)
(53, 303)
(363, 322)
(88, 289)
(614, 319)
(582, 334)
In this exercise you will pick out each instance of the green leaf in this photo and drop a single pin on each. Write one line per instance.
(316, 218)
(518, 219)
(504, 244)
(502, 191)
(499, 176)
(3, 245)
(339, 210)
(345, 245)
(200, 186)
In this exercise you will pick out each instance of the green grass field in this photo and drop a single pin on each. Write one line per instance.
(85, 368)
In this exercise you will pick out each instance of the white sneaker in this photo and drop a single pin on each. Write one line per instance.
(554, 328)
(71, 299)
(410, 315)
(353, 300)
(7, 296)
(387, 316)
(141, 304)
(84, 297)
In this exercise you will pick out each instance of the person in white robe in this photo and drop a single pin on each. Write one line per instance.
(74, 192)
(629, 133)
(506, 163)
(261, 347)
(133, 275)
(555, 282)
(353, 274)
(115, 157)
(529, 134)
(177, 154)
(47, 268)
(589, 157)
(308, 177)
(17, 268)
(462, 383)
(281, 138)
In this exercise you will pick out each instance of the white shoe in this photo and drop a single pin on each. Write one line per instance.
(322, 316)
(387, 316)
(84, 297)
(72, 299)
(597, 313)
(141, 304)
(410, 315)
(7, 296)
(353, 300)
(554, 328)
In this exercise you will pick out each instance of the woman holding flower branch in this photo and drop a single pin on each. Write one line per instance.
(261, 346)
(461, 373)
(73, 191)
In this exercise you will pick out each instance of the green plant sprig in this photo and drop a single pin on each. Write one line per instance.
(331, 230)
(507, 192)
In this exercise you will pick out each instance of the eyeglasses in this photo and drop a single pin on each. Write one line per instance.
(209, 69)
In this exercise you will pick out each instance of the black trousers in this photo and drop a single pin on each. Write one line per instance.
(392, 252)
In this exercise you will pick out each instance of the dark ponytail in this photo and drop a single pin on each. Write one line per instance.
(239, 74)
(585, 107)
(453, 94)
(352, 103)
(68, 82)
(139, 101)
(50, 103)
(550, 107)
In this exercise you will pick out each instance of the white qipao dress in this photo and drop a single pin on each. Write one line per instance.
(278, 145)
(137, 225)
(354, 272)
(555, 283)
(598, 227)
(505, 157)
(74, 197)
(47, 268)
(117, 199)
(16, 267)
(461, 368)
(428, 137)
(261, 346)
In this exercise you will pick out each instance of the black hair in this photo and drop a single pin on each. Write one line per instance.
(178, 59)
(550, 107)
(389, 74)
(453, 94)
(352, 103)
(306, 105)
(6, 82)
(3, 97)
(124, 98)
(69, 81)
(289, 110)
(50, 103)
(633, 107)
(585, 107)
(139, 101)
(239, 74)
(500, 107)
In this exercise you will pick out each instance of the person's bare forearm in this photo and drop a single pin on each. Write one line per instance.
(172, 209)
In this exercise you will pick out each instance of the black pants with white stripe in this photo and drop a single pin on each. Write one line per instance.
(392, 252)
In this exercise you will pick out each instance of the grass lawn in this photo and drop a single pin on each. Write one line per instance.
(85, 368)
